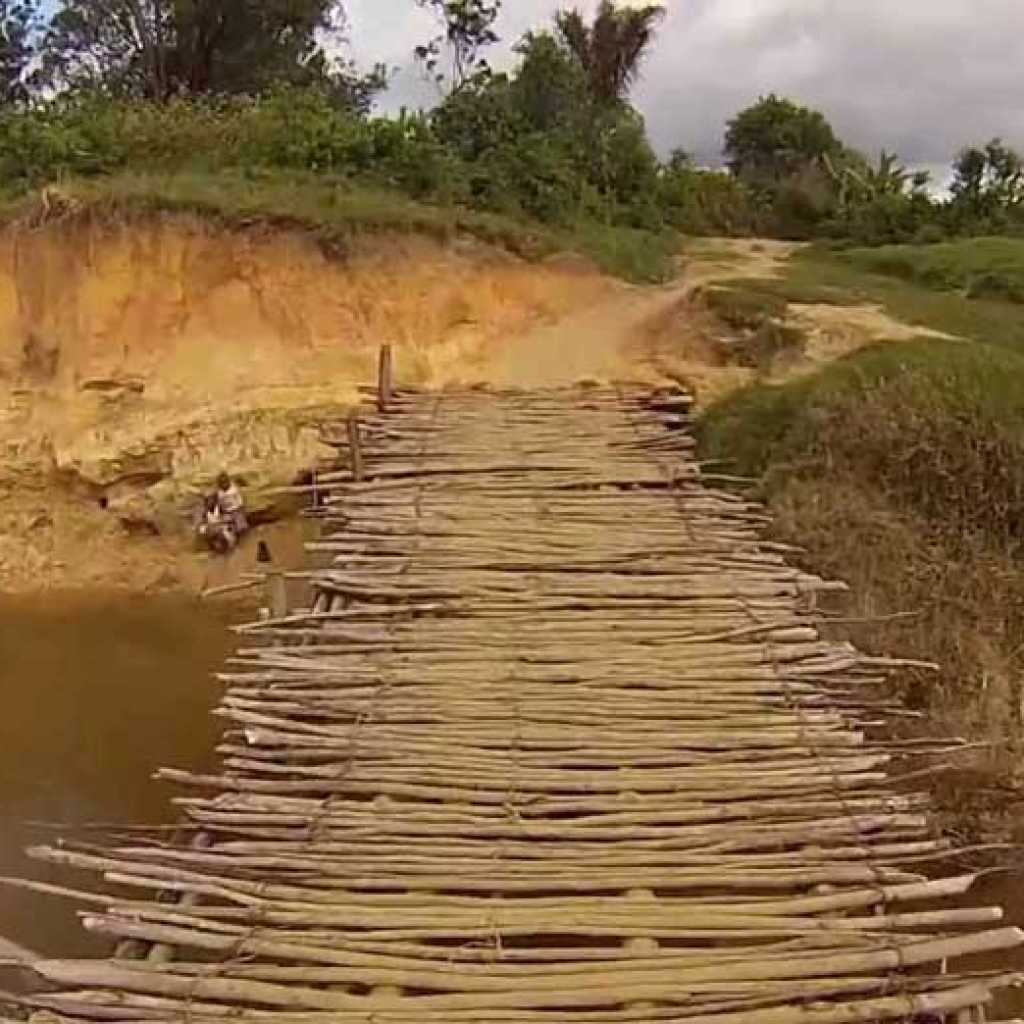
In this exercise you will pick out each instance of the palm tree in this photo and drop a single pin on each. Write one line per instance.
(610, 50)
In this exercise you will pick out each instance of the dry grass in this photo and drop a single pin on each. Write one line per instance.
(901, 470)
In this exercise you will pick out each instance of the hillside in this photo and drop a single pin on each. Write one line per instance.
(142, 351)
(900, 467)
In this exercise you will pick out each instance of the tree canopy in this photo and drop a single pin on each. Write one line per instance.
(988, 179)
(776, 139)
(88, 87)
(466, 31)
(612, 48)
(19, 23)
(159, 48)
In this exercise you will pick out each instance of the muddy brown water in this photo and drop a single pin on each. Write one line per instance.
(97, 693)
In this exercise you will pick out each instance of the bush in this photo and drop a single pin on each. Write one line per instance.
(929, 234)
(938, 426)
(705, 202)
(901, 470)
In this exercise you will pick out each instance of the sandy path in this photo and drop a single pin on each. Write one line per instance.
(601, 342)
(657, 333)
(591, 345)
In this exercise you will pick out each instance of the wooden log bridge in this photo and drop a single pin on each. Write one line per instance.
(558, 740)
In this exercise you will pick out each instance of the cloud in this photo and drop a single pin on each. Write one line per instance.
(923, 77)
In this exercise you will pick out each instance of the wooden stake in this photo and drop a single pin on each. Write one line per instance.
(385, 386)
(355, 447)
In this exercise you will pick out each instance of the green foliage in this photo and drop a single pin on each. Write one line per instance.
(775, 140)
(466, 31)
(535, 143)
(627, 252)
(620, 164)
(885, 219)
(550, 89)
(611, 50)
(848, 277)
(743, 308)
(162, 48)
(901, 470)
(704, 202)
(19, 23)
(479, 118)
(988, 188)
(938, 426)
(977, 268)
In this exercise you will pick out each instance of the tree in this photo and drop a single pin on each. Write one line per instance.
(466, 31)
(776, 140)
(549, 89)
(545, 95)
(106, 44)
(159, 48)
(988, 181)
(611, 50)
(19, 23)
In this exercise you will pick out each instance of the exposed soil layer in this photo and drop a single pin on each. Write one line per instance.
(139, 359)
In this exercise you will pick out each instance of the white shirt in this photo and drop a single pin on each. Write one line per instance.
(231, 500)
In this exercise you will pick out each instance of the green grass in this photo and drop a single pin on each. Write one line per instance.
(901, 470)
(817, 275)
(743, 308)
(334, 210)
(976, 267)
(938, 425)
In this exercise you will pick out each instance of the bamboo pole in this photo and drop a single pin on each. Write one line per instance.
(559, 739)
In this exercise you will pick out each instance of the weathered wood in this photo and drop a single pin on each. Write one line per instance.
(559, 739)
(385, 383)
(355, 447)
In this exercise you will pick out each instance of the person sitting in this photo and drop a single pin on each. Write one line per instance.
(215, 528)
(232, 505)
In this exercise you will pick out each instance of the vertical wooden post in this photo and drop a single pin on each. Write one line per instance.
(386, 379)
(355, 446)
(277, 587)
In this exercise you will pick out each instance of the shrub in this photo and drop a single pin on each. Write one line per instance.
(938, 426)
(704, 202)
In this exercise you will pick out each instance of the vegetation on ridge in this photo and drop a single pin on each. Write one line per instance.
(205, 86)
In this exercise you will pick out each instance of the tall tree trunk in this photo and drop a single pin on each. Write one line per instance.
(151, 55)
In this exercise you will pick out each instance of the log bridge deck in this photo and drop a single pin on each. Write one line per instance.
(558, 740)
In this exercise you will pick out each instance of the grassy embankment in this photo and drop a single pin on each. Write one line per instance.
(901, 469)
(335, 209)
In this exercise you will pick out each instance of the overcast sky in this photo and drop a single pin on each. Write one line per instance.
(922, 77)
